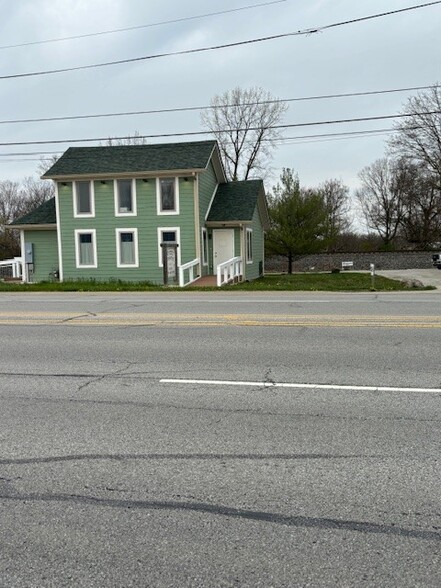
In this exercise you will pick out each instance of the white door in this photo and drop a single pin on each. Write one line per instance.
(223, 246)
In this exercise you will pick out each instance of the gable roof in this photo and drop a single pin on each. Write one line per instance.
(42, 215)
(133, 159)
(237, 201)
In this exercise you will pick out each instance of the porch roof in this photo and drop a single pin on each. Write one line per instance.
(43, 215)
(237, 201)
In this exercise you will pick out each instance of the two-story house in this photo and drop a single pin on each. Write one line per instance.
(162, 213)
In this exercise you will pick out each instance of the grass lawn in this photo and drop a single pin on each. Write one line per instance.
(341, 282)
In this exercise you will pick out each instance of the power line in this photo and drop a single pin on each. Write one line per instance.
(144, 26)
(200, 133)
(195, 108)
(309, 31)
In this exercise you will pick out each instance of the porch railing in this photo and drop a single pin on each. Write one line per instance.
(229, 271)
(11, 268)
(189, 272)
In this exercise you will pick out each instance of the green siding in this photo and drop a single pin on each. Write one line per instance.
(105, 222)
(45, 253)
(207, 186)
(252, 269)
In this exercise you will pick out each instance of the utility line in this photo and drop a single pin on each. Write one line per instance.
(309, 31)
(195, 108)
(144, 26)
(199, 133)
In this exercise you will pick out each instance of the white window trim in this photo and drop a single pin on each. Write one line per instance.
(178, 241)
(118, 248)
(116, 202)
(204, 254)
(160, 212)
(79, 232)
(250, 233)
(90, 214)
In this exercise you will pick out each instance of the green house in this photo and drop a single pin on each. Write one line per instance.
(161, 213)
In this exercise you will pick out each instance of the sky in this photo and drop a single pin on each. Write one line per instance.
(392, 52)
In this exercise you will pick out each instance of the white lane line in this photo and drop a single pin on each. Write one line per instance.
(298, 386)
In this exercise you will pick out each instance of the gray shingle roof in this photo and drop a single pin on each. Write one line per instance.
(43, 215)
(235, 201)
(132, 159)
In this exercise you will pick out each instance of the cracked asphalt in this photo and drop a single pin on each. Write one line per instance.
(110, 477)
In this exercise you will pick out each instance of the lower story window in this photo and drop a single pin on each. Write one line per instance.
(127, 247)
(249, 252)
(85, 247)
(168, 235)
(204, 247)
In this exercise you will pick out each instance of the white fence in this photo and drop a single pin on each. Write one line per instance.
(189, 272)
(11, 268)
(229, 271)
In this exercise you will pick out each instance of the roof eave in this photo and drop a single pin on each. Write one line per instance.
(123, 175)
(34, 227)
(227, 223)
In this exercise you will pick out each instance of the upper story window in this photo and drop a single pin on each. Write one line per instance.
(84, 201)
(167, 195)
(125, 198)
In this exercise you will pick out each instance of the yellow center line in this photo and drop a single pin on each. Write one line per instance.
(217, 320)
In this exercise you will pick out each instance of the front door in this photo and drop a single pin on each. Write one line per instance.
(223, 246)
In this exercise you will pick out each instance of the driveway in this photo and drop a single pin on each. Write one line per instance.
(429, 277)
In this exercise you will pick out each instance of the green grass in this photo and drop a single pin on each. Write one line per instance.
(341, 282)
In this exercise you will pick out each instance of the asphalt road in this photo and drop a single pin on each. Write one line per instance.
(220, 440)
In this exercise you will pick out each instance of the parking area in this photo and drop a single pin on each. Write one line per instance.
(429, 277)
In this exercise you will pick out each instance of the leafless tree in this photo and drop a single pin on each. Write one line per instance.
(417, 137)
(336, 198)
(381, 197)
(134, 139)
(243, 122)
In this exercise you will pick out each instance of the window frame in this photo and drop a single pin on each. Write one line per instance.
(118, 233)
(76, 212)
(161, 230)
(159, 210)
(204, 246)
(116, 197)
(79, 265)
(249, 246)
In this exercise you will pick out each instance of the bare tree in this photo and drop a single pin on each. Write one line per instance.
(134, 139)
(243, 122)
(336, 198)
(381, 197)
(417, 137)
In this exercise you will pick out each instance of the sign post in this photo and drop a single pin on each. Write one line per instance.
(372, 268)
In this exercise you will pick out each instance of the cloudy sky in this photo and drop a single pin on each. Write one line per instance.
(396, 51)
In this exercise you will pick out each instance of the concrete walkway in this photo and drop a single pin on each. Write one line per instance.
(429, 277)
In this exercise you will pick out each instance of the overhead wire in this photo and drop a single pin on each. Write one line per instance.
(211, 107)
(309, 31)
(201, 133)
(143, 26)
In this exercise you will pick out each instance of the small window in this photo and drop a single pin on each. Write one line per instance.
(127, 247)
(249, 252)
(167, 196)
(83, 199)
(85, 248)
(204, 247)
(125, 201)
(168, 235)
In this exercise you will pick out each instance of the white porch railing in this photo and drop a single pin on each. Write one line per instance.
(11, 268)
(229, 271)
(188, 272)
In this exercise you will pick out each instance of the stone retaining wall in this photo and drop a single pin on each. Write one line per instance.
(328, 261)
